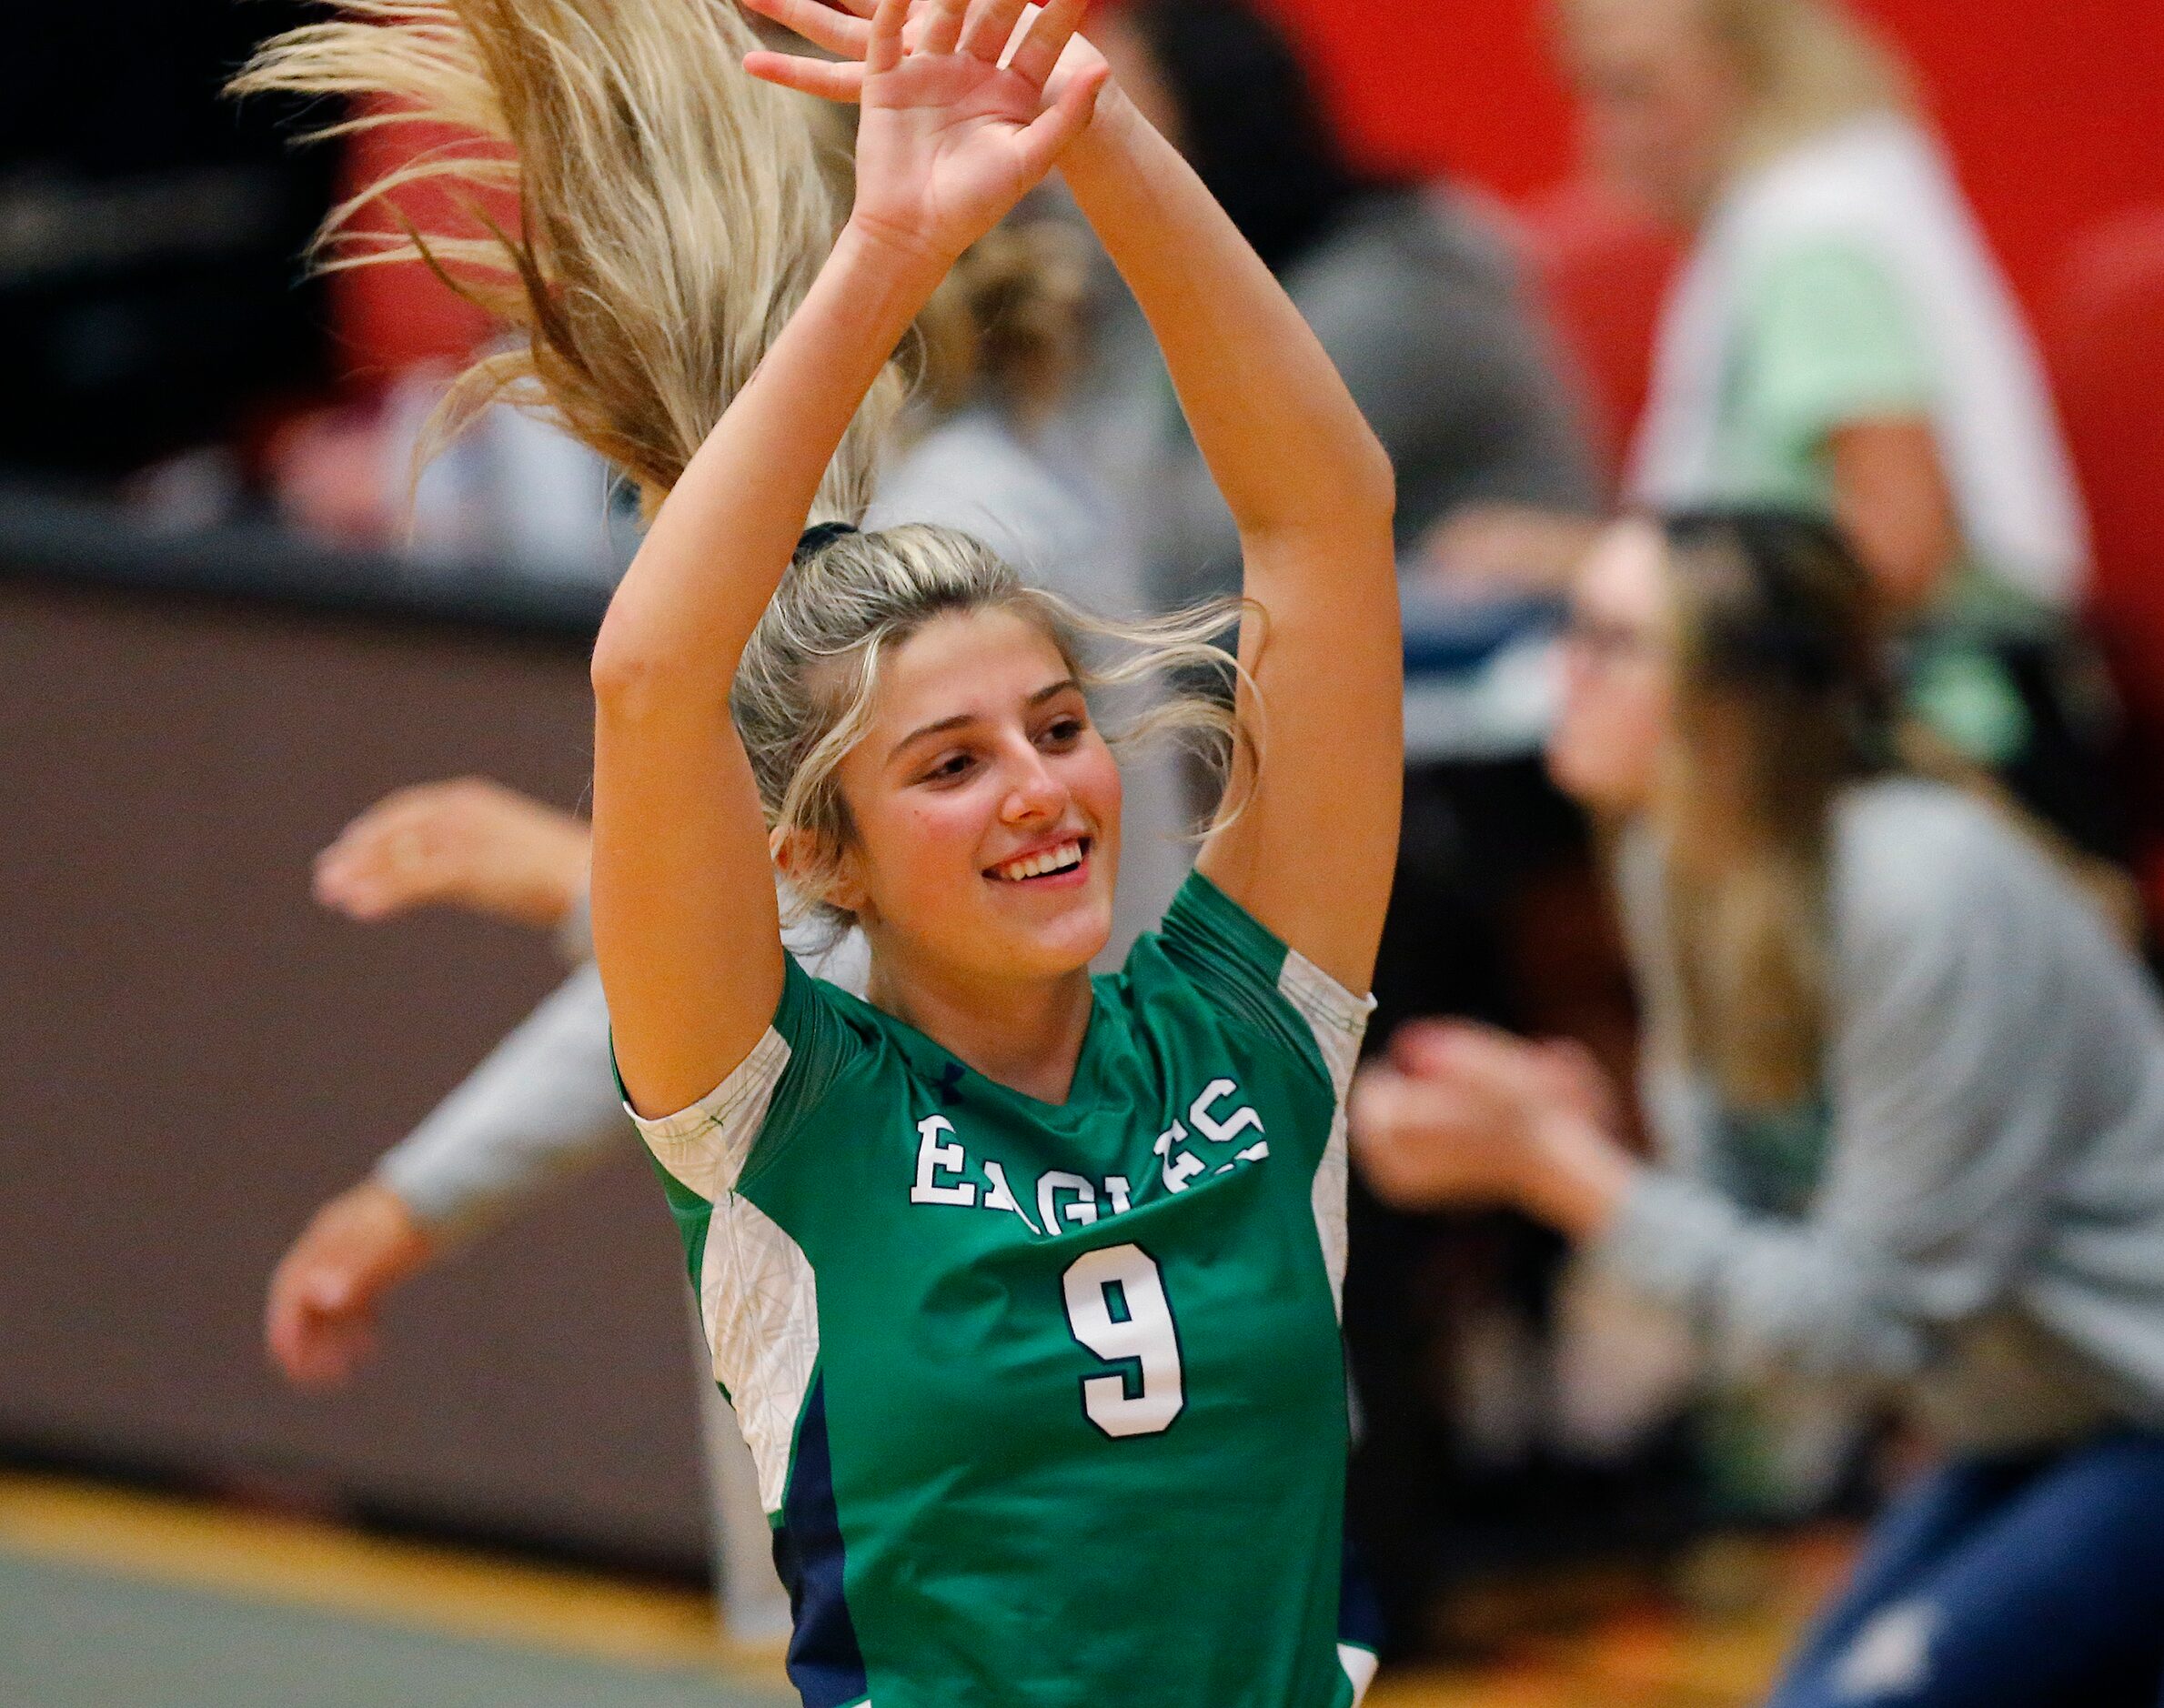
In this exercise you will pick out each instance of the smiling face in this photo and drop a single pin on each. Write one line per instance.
(1618, 680)
(985, 808)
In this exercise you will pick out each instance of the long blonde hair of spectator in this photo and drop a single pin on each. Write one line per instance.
(1810, 64)
(1779, 701)
(673, 211)
(1784, 698)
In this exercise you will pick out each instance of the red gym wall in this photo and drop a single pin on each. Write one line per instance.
(2054, 108)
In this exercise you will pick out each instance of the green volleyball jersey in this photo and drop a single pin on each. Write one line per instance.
(1048, 1401)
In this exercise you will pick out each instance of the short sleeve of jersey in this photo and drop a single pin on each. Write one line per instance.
(1235, 962)
(739, 1126)
(1829, 340)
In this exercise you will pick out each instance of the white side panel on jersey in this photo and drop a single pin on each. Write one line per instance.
(1361, 1666)
(760, 1306)
(1338, 1019)
(757, 1298)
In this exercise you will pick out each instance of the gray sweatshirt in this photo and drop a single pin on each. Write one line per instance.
(1986, 1239)
(543, 1104)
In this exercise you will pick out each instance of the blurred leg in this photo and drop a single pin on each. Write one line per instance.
(2052, 1592)
(1911, 1537)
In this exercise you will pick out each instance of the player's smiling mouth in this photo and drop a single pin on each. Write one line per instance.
(1052, 860)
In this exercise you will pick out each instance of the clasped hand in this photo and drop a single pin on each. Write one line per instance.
(967, 104)
(1456, 1115)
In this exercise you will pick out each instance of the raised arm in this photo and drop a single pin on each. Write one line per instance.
(1310, 848)
(685, 923)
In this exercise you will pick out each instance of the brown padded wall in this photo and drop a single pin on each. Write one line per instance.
(193, 1055)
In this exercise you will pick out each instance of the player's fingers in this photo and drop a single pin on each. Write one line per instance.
(991, 27)
(830, 80)
(1048, 134)
(1047, 40)
(845, 33)
(882, 47)
(942, 26)
(291, 1336)
(408, 812)
(366, 830)
(388, 864)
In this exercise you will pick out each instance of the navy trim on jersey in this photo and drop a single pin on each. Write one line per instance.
(825, 1662)
(1359, 1614)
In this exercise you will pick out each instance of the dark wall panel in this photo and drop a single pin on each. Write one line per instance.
(192, 1055)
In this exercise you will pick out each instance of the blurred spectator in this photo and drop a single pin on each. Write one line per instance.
(1842, 340)
(510, 490)
(1909, 1089)
(1415, 301)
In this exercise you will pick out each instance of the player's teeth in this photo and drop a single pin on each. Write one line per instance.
(1037, 865)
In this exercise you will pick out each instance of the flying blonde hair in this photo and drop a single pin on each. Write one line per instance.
(673, 209)
(673, 212)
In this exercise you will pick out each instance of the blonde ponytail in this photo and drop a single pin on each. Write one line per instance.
(673, 210)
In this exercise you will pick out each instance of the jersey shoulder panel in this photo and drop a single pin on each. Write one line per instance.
(1256, 980)
(816, 1042)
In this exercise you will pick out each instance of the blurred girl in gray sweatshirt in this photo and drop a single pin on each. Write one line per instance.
(1906, 1087)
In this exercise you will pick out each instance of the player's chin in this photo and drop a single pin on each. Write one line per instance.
(1051, 934)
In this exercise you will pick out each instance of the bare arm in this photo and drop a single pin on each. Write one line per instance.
(1309, 487)
(1890, 495)
(681, 875)
(1311, 491)
(682, 886)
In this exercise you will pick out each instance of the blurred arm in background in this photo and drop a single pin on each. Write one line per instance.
(540, 1108)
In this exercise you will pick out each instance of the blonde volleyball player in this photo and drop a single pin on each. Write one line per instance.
(1023, 1284)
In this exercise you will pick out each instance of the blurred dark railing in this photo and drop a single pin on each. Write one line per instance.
(71, 540)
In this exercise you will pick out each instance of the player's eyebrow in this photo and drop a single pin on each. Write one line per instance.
(962, 721)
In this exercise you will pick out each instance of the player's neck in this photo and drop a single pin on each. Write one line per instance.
(1026, 1035)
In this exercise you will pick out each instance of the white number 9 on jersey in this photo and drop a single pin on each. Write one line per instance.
(1116, 1307)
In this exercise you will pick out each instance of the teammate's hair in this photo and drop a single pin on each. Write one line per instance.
(1781, 699)
(1785, 696)
(673, 212)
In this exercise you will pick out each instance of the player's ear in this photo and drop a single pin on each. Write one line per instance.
(816, 872)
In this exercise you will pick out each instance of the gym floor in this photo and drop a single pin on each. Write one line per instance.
(110, 1596)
